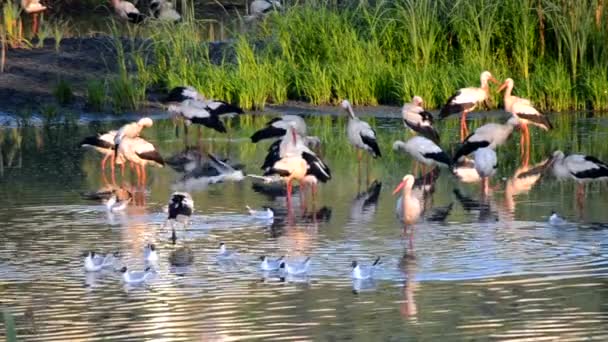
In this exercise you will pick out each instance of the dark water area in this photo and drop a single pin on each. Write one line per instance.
(494, 269)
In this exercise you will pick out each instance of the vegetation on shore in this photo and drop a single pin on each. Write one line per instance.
(377, 52)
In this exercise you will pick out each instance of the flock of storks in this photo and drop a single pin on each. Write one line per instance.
(291, 158)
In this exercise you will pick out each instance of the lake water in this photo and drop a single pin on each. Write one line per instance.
(494, 269)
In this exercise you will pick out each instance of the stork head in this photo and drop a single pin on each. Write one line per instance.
(508, 83)
(345, 104)
(145, 122)
(407, 182)
(558, 155)
(487, 76)
(417, 100)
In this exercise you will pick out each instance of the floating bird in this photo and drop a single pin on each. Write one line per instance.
(163, 10)
(296, 267)
(581, 168)
(104, 144)
(411, 206)
(360, 134)
(466, 100)
(194, 108)
(116, 204)
(127, 11)
(556, 220)
(95, 263)
(223, 253)
(277, 128)
(150, 254)
(140, 152)
(136, 277)
(363, 272)
(490, 135)
(181, 206)
(33, 7)
(485, 164)
(424, 151)
(271, 265)
(419, 120)
(526, 113)
(266, 214)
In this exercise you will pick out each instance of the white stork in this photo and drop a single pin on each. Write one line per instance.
(277, 128)
(485, 164)
(579, 167)
(127, 11)
(489, 135)
(466, 100)
(526, 113)
(361, 136)
(464, 170)
(104, 144)
(411, 206)
(33, 7)
(419, 120)
(424, 151)
(193, 107)
(140, 152)
(163, 10)
(260, 8)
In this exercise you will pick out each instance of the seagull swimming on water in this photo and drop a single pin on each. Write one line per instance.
(266, 214)
(95, 263)
(556, 220)
(271, 265)
(225, 254)
(363, 272)
(296, 268)
(135, 277)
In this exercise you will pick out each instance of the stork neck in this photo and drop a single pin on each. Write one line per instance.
(350, 111)
(115, 3)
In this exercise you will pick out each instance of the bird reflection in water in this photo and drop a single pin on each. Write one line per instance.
(409, 266)
(522, 181)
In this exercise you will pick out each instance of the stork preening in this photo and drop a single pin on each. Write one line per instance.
(485, 164)
(465, 100)
(33, 7)
(194, 108)
(425, 151)
(419, 120)
(127, 11)
(141, 153)
(526, 113)
(580, 168)
(104, 144)
(489, 135)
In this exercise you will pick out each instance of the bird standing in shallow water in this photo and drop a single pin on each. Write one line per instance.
(141, 153)
(466, 100)
(411, 206)
(485, 164)
(181, 207)
(104, 144)
(425, 151)
(581, 168)
(361, 136)
(33, 7)
(419, 120)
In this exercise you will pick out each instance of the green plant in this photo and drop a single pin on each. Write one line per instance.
(63, 92)
(96, 94)
(50, 114)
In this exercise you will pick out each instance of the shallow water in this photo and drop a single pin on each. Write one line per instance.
(494, 269)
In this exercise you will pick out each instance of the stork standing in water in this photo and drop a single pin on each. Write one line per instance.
(141, 153)
(104, 144)
(277, 128)
(194, 108)
(425, 151)
(411, 206)
(130, 130)
(485, 164)
(33, 7)
(419, 120)
(581, 168)
(489, 135)
(361, 136)
(466, 100)
(127, 11)
(526, 113)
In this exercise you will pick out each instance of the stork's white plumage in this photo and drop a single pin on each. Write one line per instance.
(465, 171)
(411, 206)
(141, 153)
(489, 135)
(579, 167)
(163, 10)
(277, 127)
(466, 100)
(419, 120)
(132, 130)
(485, 164)
(360, 133)
(104, 144)
(127, 11)
(424, 150)
(259, 8)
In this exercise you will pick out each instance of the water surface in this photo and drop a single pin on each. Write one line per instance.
(493, 269)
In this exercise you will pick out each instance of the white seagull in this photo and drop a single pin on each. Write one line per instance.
(150, 254)
(265, 214)
(360, 133)
(223, 253)
(419, 120)
(115, 204)
(556, 220)
(485, 164)
(363, 272)
(95, 263)
(127, 11)
(296, 267)
(581, 168)
(271, 265)
(490, 135)
(466, 100)
(424, 151)
(136, 277)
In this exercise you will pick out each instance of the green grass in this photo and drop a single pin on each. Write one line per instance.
(96, 95)
(63, 92)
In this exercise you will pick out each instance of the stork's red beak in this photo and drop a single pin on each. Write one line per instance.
(495, 81)
(399, 187)
(502, 87)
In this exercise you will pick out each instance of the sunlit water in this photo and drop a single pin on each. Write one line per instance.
(493, 270)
